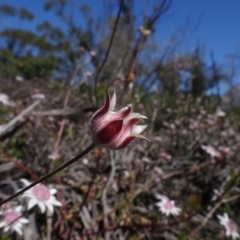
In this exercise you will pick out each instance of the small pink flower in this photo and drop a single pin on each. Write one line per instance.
(217, 194)
(38, 96)
(230, 226)
(167, 206)
(54, 156)
(144, 31)
(5, 206)
(224, 150)
(211, 151)
(19, 78)
(5, 100)
(12, 220)
(121, 77)
(93, 53)
(157, 180)
(85, 161)
(82, 49)
(42, 196)
(88, 74)
(220, 113)
(166, 156)
(115, 130)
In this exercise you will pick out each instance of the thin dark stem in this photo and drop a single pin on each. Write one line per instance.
(68, 163)
(109, 47)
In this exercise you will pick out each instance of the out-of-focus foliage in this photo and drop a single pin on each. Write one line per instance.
(24, 52)
(28, 66)
(7, 10)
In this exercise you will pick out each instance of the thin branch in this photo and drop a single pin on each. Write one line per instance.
(109, 47)
(62, 125)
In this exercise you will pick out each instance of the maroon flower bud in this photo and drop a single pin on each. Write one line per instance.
(115, 130)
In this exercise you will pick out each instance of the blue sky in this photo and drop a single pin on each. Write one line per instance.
(216, 23)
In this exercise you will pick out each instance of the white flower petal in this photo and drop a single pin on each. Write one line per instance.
(235, 235)
(25, 181)
(2, 224)
(226, 216)
(18, 209)
(159, 204)
(6, 228)
(226, 222)
(27, 194)
(18, 230)
(228, 232)
(32, 202)
(42, 207)
(50, 207)
(223, 219)
(56, 203)
(137, 129)
(16, 224)
(158, 196)
(53, 191)
(24, 220)
(113, 102)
